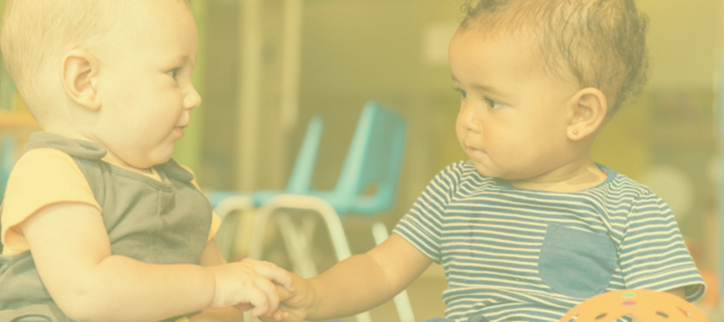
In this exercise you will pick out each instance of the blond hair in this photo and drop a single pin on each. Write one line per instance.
(36, 33)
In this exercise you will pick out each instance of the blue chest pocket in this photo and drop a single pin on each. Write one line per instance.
(576, 263)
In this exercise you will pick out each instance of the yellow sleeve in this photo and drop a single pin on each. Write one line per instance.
(40, 178)
(215, 219)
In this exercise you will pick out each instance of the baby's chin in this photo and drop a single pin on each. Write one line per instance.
(147, 164)
(158, 157)
(484, 170)
(496, 173)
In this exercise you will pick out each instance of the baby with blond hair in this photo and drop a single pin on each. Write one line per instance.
(99, 223)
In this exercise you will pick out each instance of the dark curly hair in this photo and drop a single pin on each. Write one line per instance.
(600, 43)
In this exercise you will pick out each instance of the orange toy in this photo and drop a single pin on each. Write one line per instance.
(646, 305)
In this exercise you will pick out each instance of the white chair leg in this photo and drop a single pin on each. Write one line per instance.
(260, 226)
(402, 301)
(339, 240)
(321, 207)
(330, 217)
(225, 237)
(297, 245)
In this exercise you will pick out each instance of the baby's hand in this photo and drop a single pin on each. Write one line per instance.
(250, 284)
(296, 304)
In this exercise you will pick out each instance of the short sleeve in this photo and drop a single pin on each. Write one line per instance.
(653, 254)
(40, 178)
(422, 225)
(215, 225)
(215, 219)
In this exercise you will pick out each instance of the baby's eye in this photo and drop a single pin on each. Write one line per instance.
(463, 94)
(493, 104)
(173, 73)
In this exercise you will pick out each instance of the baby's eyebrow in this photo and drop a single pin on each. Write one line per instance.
(183, 59)
(483, 88)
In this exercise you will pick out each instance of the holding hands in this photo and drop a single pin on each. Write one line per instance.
(294, 304)
(252, 284)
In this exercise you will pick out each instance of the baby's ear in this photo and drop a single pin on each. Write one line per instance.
(80, 76)
(589, 113)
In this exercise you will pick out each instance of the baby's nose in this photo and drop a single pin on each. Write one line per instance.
(470, 120)
(192, 99)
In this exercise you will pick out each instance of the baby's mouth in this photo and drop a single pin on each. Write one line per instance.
(472, 151)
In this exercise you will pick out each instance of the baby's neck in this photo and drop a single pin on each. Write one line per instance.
(149, 172)
(563, 180)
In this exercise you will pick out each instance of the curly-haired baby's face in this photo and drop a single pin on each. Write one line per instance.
(513, 116)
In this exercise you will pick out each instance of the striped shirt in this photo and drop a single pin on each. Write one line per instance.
(511, 254)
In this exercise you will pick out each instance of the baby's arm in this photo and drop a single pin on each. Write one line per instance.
(72, 253)
(212, 257)
(358, 283)
(680, 292)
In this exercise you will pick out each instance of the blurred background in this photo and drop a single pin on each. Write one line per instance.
(267, 66)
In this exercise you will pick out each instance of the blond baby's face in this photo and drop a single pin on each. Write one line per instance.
(512, 118)
(145, 83)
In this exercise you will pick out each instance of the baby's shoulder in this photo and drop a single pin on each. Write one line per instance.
(625, 185)
(460, 172)
(42, 159)
(461, 169)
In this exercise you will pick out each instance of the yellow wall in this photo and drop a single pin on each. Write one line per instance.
(356, 50)
(684, 43)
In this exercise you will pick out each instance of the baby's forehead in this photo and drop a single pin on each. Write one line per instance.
(507, 23)
(523, 39)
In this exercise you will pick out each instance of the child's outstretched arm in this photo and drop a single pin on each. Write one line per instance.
(356, 284)
(72, 253)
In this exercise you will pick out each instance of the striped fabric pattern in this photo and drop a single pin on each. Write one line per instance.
(521, 255)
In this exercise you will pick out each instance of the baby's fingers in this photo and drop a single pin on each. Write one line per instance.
(243, 307)
(270, 292)
(280, 315)
(284, 294)
(276, 317)
(275, 273)
(256, 300)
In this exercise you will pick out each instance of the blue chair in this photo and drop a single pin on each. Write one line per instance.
(374, 159)
(300, 178)
(7, 158)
